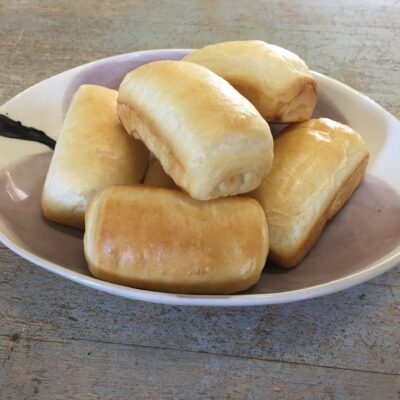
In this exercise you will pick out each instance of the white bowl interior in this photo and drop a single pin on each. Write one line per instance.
(360, 242)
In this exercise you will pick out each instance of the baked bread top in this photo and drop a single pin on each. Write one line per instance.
(92, 152)
(206, 135)
(161, 239)
(317, 166)
(275, 80)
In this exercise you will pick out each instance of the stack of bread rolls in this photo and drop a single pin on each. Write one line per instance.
(178, 182)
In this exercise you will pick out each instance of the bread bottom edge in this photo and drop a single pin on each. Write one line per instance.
(63, 217)
(178, 288)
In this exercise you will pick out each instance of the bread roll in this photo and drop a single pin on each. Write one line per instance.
(161, 239)
(317, 166)
(275, 80)
(206, 135)
(156, 176)
(92, 152)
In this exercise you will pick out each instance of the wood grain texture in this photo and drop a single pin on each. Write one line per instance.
(357, 329)
(60, 340)
(59, 370)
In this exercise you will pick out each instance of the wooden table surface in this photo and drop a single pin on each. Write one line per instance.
(60, 340)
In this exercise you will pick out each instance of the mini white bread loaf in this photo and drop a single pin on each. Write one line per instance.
(93, 151)
(317, 166)
(161, 239)
(206, 135)
(156, 176)
(275, 80)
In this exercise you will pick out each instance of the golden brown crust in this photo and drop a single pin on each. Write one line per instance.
(93, 151)
(318, 165)
(161, 239)
(207, 136)
(275, 80)
(344, 194)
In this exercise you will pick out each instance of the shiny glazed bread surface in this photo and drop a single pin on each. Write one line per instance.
(161, 239)
(317, 166)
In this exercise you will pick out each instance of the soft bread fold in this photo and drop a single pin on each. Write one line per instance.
(161, 239)
(208, 138)
(156, 176)
(275, 80)
(317, 166)
(93, 151)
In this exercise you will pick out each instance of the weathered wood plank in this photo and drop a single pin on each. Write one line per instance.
(38, 369)
(391, 278)
(356, 329)
(350, 42)
(61, 340)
